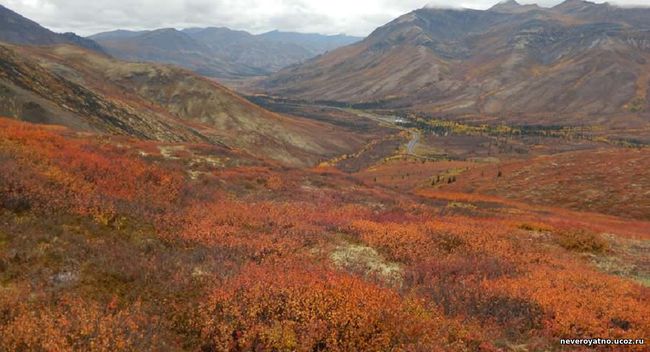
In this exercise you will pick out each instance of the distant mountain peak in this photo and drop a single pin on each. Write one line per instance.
(579, 4)
(512, 6)
(510, 3)
(165, 30)
(506, 4)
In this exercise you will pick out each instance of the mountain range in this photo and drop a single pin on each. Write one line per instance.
(214, 52)
(577, 62)
(219, 52)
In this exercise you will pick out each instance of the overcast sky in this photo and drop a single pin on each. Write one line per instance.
(354, 17)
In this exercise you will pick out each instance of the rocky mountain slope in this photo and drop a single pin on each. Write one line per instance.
(573, 63)
(17, 29)
(219, 52)
(70, 86)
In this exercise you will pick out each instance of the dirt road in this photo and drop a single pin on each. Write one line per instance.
(415, 138)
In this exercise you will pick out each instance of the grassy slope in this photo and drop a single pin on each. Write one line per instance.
(613, 181)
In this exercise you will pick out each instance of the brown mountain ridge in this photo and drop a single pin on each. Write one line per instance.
(578, 62)
(17, 29)
(74, 87)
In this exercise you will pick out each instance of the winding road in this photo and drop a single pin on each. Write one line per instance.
(415, 138)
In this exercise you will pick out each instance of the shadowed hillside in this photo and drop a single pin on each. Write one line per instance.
(219, 52)
(17, 29)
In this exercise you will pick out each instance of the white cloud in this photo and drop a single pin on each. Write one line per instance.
(355, 17)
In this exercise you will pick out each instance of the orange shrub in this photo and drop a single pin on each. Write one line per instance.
(580, 302)
(301, 309)
(581, 241)
(401, 242)
(75, 324)
(46, 171)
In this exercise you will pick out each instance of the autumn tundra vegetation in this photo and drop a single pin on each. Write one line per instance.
(112, 243)
(474, 180)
